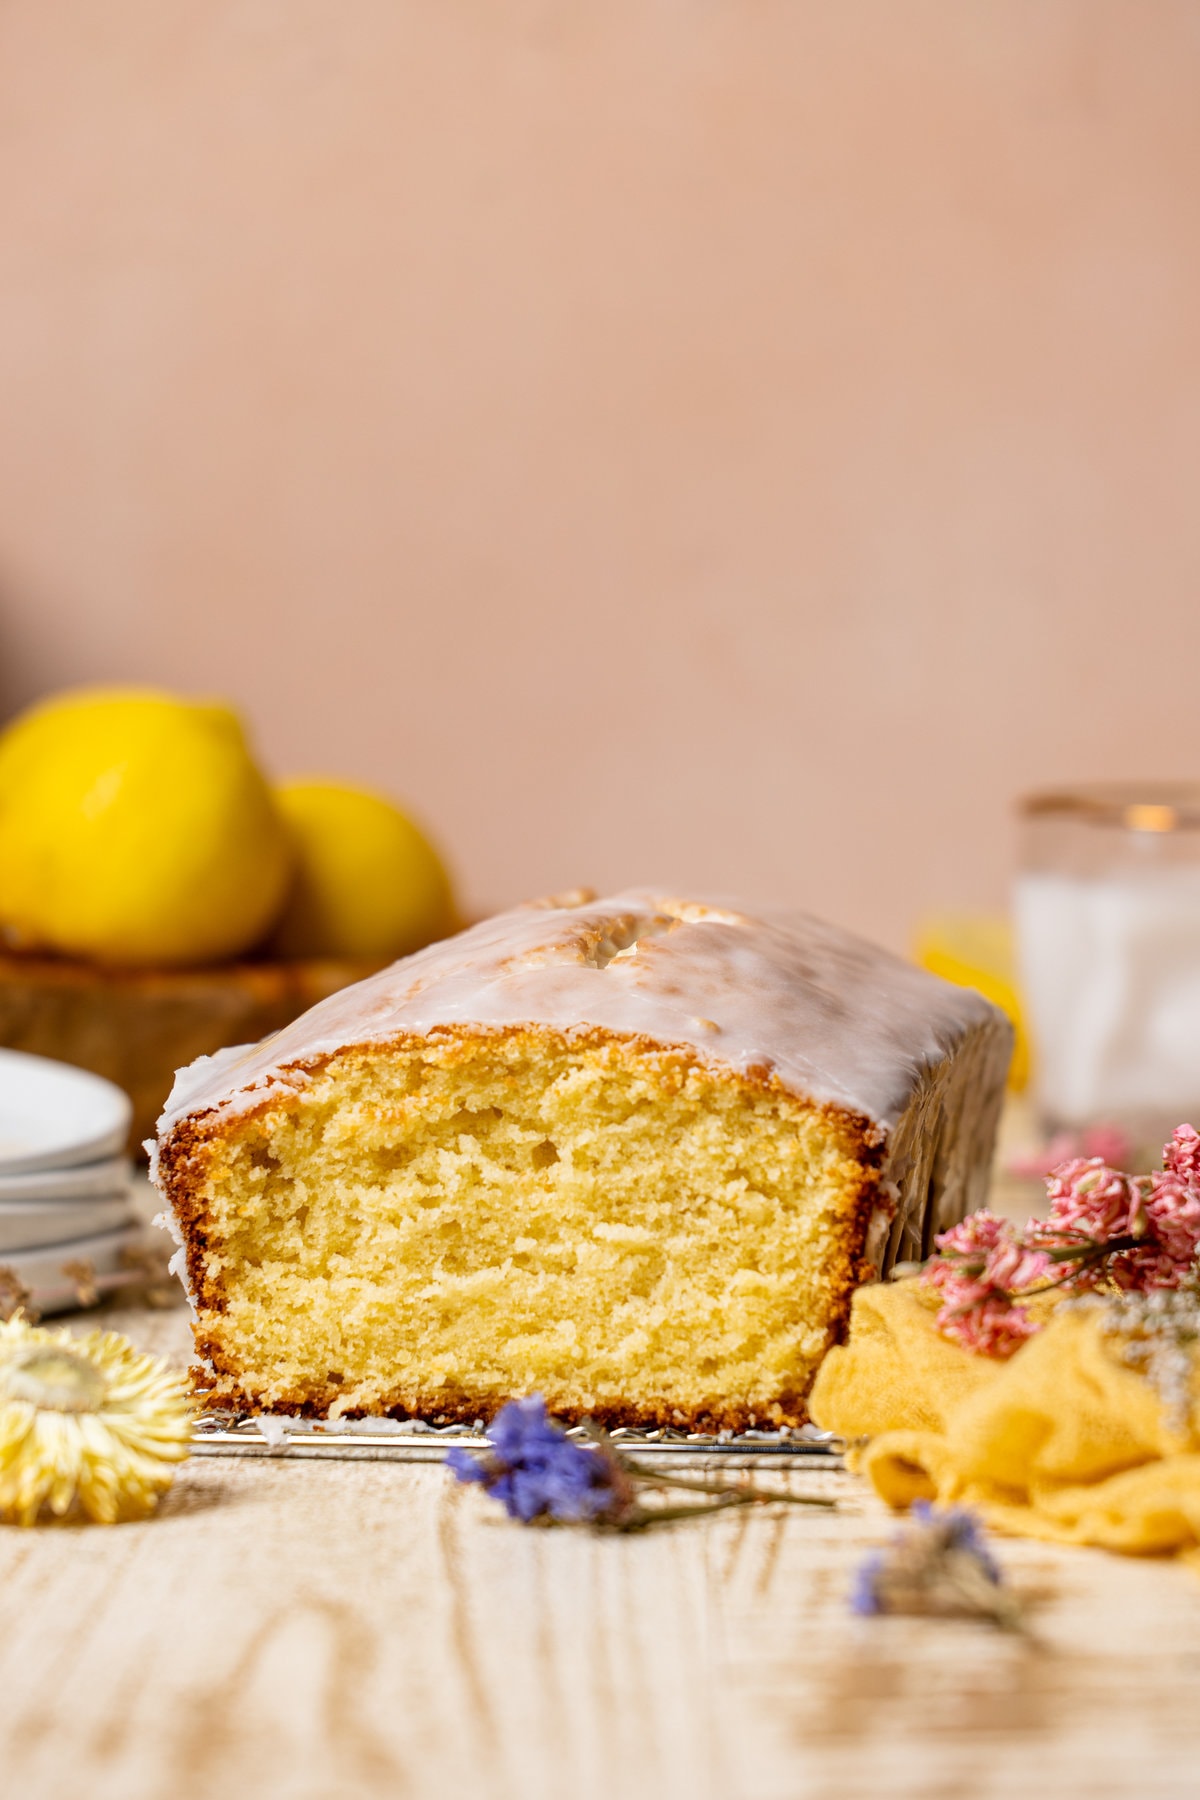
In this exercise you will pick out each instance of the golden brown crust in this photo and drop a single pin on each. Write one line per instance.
(225, 1394)
(183, 1158)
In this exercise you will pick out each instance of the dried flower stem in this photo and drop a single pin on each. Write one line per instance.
(542, 1476)
(730, 1493)
(742, 1491)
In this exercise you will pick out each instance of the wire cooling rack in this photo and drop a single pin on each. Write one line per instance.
(413, 1440)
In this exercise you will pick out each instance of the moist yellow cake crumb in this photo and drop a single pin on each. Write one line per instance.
(431, 1227)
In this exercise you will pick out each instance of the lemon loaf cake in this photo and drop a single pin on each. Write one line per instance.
(634, 1154)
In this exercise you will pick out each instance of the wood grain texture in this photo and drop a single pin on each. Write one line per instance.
(295, 1631)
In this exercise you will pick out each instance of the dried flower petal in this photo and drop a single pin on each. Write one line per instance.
(89, 1426)
(982, 1264)
(939, 1563)
(993, 1326)
(1109, 1142)
(1173, 1211)
(1088, 1196)
(1182, 1155)
(535, 1470)
(16, 1301)
(81, 1272)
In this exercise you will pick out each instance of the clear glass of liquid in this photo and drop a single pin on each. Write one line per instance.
(1108, 942)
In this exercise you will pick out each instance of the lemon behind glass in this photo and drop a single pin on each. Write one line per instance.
(136, 829)
(976, 950)
(368, 883)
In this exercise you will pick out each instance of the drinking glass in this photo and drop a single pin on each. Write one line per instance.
(1108, 943)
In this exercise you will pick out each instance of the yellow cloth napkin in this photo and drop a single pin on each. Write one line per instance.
(1063, 1441)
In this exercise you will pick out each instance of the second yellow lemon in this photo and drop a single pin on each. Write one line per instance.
(368, 883)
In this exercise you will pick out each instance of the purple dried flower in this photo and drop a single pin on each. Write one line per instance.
(939, 1563)
(535, 1470)
(959, 1529)
(864, 1593)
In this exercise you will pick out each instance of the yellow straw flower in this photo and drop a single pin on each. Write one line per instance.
(89, 1426)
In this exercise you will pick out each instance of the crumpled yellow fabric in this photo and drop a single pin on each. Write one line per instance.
(1063, 1441)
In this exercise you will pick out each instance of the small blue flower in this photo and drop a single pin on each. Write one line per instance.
(535, 1470)
(939, 1563)
(864, 1593)
(959, 1529)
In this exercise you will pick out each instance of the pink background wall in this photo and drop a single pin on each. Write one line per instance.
(727, 441)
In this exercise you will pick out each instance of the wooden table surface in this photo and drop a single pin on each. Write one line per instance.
(314, 1632)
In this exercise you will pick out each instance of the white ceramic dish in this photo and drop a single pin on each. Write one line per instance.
(54, 1116)
(42, 1270)
(90, 1181)
(34, 1227)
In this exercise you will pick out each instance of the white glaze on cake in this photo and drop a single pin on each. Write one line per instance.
(833, 1018)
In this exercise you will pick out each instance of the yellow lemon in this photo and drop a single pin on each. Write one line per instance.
(368, 884)
(136, 829)
(976, 951)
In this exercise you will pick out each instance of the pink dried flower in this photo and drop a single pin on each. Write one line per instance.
(1109, 1142)
(1160, 1210)
(1019, 1263)
(1074, 1259)
(982, 1262)
(990, 1326)
(989, 1251)
(1088, 1196)
(1182, 1155)
(1135, 1232)
(1140, 1270)
(975, 1237)
(1173, 1213)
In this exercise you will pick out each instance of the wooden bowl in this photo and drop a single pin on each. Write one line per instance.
(138, 1026)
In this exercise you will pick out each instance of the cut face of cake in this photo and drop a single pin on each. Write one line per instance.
(633, 1154)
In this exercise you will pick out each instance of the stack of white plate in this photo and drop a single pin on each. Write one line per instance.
(65, 1194)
